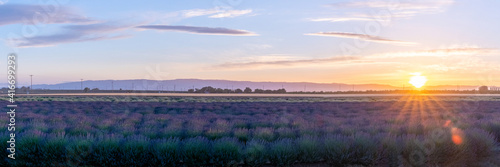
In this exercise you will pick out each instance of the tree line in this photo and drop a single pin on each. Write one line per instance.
(209, 89)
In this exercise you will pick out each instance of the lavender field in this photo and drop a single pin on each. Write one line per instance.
(212, 131)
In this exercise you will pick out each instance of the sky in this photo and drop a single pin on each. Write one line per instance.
(450, 42)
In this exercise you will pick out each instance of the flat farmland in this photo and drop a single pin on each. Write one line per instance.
(117, 130)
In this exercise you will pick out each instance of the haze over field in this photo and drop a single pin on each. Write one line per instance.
(351, 42)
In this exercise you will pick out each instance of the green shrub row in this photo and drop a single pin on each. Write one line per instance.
(34, 149)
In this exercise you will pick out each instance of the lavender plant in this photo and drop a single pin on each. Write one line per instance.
(256, 153)
(283, 152)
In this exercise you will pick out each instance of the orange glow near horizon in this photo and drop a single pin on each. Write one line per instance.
(417, 80)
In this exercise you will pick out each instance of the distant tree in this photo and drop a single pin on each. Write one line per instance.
(258, 91)
(281, 91)
(207, 89)
(228, 91)
(86, 89)
(483, 89)
(247, 90)
(219, 90)
(238, 91)
(95, 89)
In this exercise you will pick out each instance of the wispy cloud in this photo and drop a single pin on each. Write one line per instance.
(444, 52)
(461, 51)
(231, 13)
(161, 17)
(397, 9)
(341, 19)
(75, 33)
(199, 30)
(198, 12)
(56, 39)
(283, 63)
(215, 13)
(428, 5)
(24, 14)
(362, 37)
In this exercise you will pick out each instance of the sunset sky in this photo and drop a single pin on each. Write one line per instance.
(382, 42)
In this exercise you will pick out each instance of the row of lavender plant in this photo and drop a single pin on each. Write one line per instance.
(267, 121)
(39, 149)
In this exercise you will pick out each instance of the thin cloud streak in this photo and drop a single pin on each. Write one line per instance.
(199, 30)
(386, 17)
(253, 64)
(400, 5)
(362, 37)
(231, 13)
(198, 12)
(462, 51)
(340, 19)
(397, 9)
(39, 14)
(215, 13)
(75, 33)
(466, 50)
(53, 40)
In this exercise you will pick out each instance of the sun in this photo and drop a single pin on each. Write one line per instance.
(417, 80)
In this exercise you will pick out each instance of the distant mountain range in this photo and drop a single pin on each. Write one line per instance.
(185, 84)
